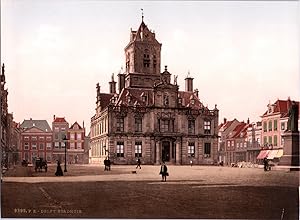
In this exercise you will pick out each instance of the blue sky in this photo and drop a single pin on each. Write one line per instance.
(241, 54)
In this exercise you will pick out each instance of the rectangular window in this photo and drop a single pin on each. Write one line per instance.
(120, 149)
(34, 138)
(138, 124)
(265, 140)
(191, 126)
(138, 149)
(265, 126)
(228, 143)
(26, 138)
(232, 143)
(245, 144)
(56, 136)
(41, 147)
(275, 125)
(270, 125)
(165, 125)
(207, 150)
(34, 146)
(72, 136)
(26, 146)
(191, 149)
(282, 126)
(48, 157)
(238, 145)
(120, 124)
(78, 145)
(72, 145)
(56, 144)
(78, 136)
(56, 128)
(207, 127)
(275, 140)
(41, 138)
(270, 140)
(49, 146)
(49, 138)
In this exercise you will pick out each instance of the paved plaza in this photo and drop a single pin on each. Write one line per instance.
(200, 192)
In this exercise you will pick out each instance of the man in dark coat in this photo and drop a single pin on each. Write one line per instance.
(266, 164)
(138, 163)
(164, 172)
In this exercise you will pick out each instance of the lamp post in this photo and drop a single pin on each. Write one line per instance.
(66, 141)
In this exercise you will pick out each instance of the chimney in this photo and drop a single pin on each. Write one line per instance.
(248, 121)
(53, 117)
(225, 120)
(83, 124)
(112, 85)
(189, 83)
(121, 81)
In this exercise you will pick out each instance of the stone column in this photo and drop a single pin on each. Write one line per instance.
(178, 153)
(157, 146)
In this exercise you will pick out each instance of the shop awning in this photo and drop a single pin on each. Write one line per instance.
(272, 154)
(262, 154)
(279, 153)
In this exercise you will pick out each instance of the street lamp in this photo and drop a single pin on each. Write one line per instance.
(66, 141)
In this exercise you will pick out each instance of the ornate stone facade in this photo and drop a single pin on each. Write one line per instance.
(150, 118)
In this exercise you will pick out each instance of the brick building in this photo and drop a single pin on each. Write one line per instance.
(36, 140)
(60, 129)
(149, 117)
(76, 143)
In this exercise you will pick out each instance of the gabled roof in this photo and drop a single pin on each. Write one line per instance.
(240, 130)
(41, 124)
(76, 123)
(60, 120)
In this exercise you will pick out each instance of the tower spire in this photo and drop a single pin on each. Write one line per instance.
(142, 14)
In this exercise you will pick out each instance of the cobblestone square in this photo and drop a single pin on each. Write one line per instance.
(198, 192)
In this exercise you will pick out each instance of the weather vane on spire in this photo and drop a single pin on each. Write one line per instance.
(142, 14)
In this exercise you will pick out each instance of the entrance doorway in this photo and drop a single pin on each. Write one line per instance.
(165, 156)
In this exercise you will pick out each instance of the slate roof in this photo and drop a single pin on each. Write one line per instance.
(41, 124)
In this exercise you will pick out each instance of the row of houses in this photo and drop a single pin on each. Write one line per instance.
(36, 139)
(251, 142)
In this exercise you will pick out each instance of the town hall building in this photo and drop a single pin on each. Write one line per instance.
(149, 117)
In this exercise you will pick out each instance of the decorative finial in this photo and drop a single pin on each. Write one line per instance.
(166, 68)
(142, 14)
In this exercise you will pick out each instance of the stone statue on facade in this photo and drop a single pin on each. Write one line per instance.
(292, 124)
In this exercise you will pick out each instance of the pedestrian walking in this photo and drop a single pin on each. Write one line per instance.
(266, 164)
(59, 171)
(105, 165)
(108, 164)
(164, 172)
(138, 163)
